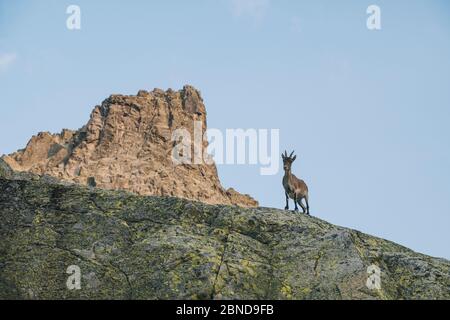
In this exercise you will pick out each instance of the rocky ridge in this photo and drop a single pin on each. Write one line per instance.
(147, 247)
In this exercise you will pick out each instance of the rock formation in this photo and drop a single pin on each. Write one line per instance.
(140, 247)
(127, 145)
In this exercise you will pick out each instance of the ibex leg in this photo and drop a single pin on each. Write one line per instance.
(287, 202)
(295, 201)
(307, 205)
(302, 205)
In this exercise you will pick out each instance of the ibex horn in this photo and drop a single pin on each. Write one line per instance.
(291, 154)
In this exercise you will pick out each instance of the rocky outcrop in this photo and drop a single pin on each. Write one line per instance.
(139, 247)
(127, 145)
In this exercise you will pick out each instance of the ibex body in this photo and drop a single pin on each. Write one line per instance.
(294, 188)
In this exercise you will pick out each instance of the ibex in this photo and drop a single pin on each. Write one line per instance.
(294, 188)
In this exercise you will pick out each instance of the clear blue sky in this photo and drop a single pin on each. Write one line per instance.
(368, 112)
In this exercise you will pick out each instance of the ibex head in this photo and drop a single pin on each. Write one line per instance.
(288, 160)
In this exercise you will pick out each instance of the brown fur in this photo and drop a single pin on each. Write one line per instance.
(294, 187)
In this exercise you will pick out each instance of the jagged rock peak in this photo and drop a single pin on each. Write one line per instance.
(127, 145)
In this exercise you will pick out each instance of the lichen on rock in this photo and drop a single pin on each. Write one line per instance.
(147, 247)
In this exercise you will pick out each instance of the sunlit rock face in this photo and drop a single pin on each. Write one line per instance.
(127, 145)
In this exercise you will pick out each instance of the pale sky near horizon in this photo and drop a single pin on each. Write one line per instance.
(367, 112)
